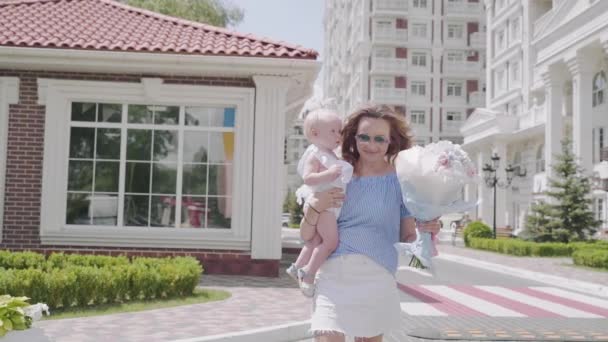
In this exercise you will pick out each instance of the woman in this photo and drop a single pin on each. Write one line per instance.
(356, 292)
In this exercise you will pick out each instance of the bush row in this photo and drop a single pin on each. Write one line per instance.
(80, 280)
(597, 258)
(24, 260)
(521, 248)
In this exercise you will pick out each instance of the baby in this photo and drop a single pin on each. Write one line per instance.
(320, 169)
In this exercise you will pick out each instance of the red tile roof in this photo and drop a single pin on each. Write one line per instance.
(111, 26)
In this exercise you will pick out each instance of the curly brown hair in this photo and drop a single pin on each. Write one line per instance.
(400, 138)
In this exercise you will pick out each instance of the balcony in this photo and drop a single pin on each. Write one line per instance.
(390, 35)
(389, 65)
(534, 117)
(452, 126)
(478, 40)
(390, 5)
(464, 67)
(469, 9)
(477, 99)
(389, 95)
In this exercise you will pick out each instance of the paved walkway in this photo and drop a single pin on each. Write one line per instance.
(562, 267)
(256, 302)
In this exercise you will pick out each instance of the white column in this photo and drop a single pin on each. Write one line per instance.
(554, 124)
(268, 176)
(484, 211)
(9, 94)
(582, 120)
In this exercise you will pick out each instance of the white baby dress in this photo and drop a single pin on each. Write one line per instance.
(327, 160)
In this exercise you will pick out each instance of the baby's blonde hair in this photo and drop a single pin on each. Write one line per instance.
(312, 114)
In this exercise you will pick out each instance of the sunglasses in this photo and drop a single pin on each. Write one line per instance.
(379, 139)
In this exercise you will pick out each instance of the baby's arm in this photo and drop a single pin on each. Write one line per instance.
(313, 175)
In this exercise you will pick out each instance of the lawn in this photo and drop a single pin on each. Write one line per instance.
(200, 296)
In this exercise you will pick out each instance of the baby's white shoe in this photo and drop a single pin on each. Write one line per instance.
(292, 271)
(307, 289)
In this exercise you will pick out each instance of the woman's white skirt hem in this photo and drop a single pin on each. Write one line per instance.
(355, 296)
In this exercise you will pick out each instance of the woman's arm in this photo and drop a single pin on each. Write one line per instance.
(408, 229)
(316, 204)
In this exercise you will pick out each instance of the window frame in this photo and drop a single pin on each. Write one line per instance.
(58, 95)
(454, 85)
(417, 57)
(418, 114)
(452, 30)
(418, 4)
(418, 85)
(418, 28)
(598, 94)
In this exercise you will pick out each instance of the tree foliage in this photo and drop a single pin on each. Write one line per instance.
(567, 216)
(212, 12)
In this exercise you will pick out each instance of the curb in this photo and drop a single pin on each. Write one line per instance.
(280, 333)
(566, 283)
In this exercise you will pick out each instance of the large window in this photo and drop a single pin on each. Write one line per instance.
(139, 165)
(599, 88)
(146, 164)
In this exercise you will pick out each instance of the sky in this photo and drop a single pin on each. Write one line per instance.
(293, 21)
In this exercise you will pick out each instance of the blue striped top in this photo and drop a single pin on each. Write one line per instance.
(370, 219)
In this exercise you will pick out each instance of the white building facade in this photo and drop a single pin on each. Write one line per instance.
(547, 63)
(423, 57)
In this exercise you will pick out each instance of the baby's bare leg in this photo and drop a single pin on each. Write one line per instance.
(308, 231)
(306, 252)
(328, 230)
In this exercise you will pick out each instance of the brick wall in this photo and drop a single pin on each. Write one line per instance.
(24, 178)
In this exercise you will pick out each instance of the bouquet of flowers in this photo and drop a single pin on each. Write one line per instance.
(431, 180)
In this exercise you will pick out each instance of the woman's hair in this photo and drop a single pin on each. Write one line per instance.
(400, 138)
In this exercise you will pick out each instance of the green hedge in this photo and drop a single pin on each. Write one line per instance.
(597, 258)
(476, 229)
(521, 248)
(80, 280)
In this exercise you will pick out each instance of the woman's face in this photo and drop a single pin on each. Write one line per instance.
(372, 139)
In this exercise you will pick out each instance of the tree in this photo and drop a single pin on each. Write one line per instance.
(212, 12)
(569, 216)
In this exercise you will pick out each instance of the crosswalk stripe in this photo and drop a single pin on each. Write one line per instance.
(473, 302)
(420, 309)
(541, 303)
(439, 302)
(573, 295)
(566, 301)
(528, 310)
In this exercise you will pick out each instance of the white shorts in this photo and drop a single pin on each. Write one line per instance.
(355, 296)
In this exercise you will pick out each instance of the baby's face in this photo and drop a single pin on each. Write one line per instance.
(329, 128)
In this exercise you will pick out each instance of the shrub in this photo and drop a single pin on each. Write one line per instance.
(476, 229)
(65, 280)
(591, 257)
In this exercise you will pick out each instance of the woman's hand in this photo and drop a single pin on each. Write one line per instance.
(431, 226)
(331, 198)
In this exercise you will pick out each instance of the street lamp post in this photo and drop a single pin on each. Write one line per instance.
(492, 181)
